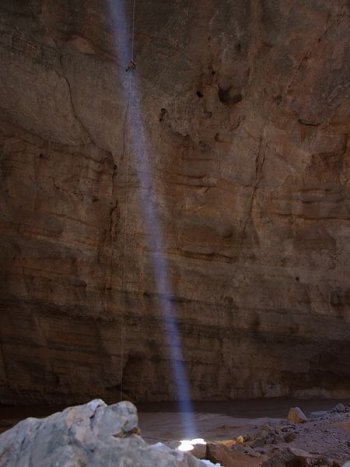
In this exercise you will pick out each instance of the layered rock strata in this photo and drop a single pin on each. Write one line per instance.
(246, 112)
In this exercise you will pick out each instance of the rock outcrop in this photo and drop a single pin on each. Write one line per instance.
(88, 435)
(246, 112)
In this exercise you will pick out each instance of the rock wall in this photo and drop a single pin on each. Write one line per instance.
(246, 111)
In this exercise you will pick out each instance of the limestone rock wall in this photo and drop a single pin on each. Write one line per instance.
(246, 106)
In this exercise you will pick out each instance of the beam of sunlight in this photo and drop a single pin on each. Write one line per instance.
(189, 444)
(121, 29)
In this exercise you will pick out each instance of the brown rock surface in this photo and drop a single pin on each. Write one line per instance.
(219, 454)
(246, 110)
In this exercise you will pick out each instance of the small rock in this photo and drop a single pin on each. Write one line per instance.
(339, 408)
(300, 453)
(199, 451)
(288, 457)
(259, 443)
(287, 428)
(324, 462)
(251, 452)
(289, 437)
(292, 457)
(296, 415)
(267, 435)
(218, 453)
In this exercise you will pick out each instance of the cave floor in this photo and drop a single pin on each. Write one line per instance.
(263, 423)
(226, 420)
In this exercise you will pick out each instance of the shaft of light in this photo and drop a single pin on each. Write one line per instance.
(136, 131)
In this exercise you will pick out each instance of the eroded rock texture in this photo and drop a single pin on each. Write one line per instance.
(88, 435)
(246, 110)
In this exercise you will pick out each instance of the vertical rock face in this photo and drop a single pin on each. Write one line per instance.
(246, 111)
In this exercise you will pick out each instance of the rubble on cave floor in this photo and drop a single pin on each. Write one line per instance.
(96, 434)
(321, 440)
